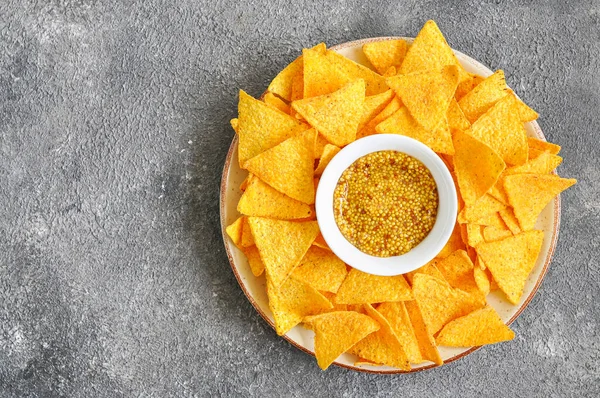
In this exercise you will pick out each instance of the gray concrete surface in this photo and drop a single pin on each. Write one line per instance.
(114, 128)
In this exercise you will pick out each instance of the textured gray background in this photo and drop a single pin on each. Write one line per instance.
(114, 128)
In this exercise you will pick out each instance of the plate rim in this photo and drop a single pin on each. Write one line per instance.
(223, 189)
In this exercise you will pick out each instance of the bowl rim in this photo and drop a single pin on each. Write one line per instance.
(426, 250)
(223, 190)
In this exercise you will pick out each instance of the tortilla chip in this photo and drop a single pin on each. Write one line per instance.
(261, 127)
(246, 182)
(260, 200)
(511, 260)
(497, 192)
(543, 164)
(370, 127)
(247, 239)
(457, 270)
(391, 71)
(256, 265)
(428, 269)
(336, 332)
(534, 153)
(440, 303)
(382, 346)
(331, 297)
(481, 209)
(481, 280)
(288, 167)
(491, 90)
(543, 146)
(335, 115)
(426, 94)
(511, 222)
(234, 230)
(320, 143)
(399, 321)
(234, 124)
(474, 234)
(320, 242)
(328, 153)
(480, 327)
(477, 167)
(321, 269)
(402, 123)
(425, 339)
(363, 362)
(373, 106)
(456, 117)
(282, 244)
(360, 287)
(492, 220)
(528, 194)
(491, 234)
(292, 302)
(468, 84)
(374, 83)
(454, 243)
(430, 51)
(501, 129)
(386, 53)
(275, 102)
(526, 114)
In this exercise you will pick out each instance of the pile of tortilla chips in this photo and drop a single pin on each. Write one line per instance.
(323, 101)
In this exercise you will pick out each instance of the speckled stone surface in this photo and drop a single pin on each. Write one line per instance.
(114, 128)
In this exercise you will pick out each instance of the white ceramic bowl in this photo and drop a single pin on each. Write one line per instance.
(420, 254)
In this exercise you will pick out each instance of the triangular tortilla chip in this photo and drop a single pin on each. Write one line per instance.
(373, 106)
(528, 194)
(430, 51)
(234, 124)
(474, 234)
(321, 269)
(454, 243)
(288, 167)
(386, 53)
(382, 346)
(543, 146)
(370, 127)
(508, 216)
(283, 82)
(336, 332)
(428, 269)
(480, 327)
(481, 279)
(501, 129)
(247, 239)
(261, 127)
(440, 303)
(320, 143)
(484, 96)
(375, 83)
(391, 71)
(497, 192)
(360, 287)
(468, 84)
(402, 123)
(275, 102)
(456, 117)
(335, 115)
(291, 302)
(492, 220)
(328, 153)
(234, 231)
(260, 200)
(511, 260)
(426, 94)
(491, 234)
(425, 339)
(320, 242)
(477, 167)
(481, 209)
(397, 316)
(543, 164)
(282, 244)
(256, 265)
(457, 269)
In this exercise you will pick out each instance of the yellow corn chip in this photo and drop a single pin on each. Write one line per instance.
(426, 94)
(526, 114)
(260, 200)
(391, 71)
(497, 191)
(457, 270)
(320, 143)
(335, 115)
(374, 83)
(440, 303)
(430, 51)
(321, 269)
(246, 181)
(481, 209)
(382, 346)
(480, 327)
(261, 127)
(291, 302)
(362, 361)
(373, 106)
(235, 231)
(425, 339)
(510, 261)
(328, 153)
(474, 234)
(288, 167)
(508, 216)
(491, 234)
(481, 280)
(370, 127)
(360, 287)
(477, 167)
(247, 239)
(492, 220)
(336, 332)
(501, 129)
(402, 123)
(454, 243)
(331, 297)
(543, 146)
(466, 85)
(320, 242)
(534, 153)
(397, 316)
(234, 124)
(386, 53)
(543, 164)
(428, 269)
(282, 244)
(456, 117)
(491, 90)
(528, 194)
(275, 102)
(256, 265)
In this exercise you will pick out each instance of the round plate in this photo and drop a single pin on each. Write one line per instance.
(254, 288)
